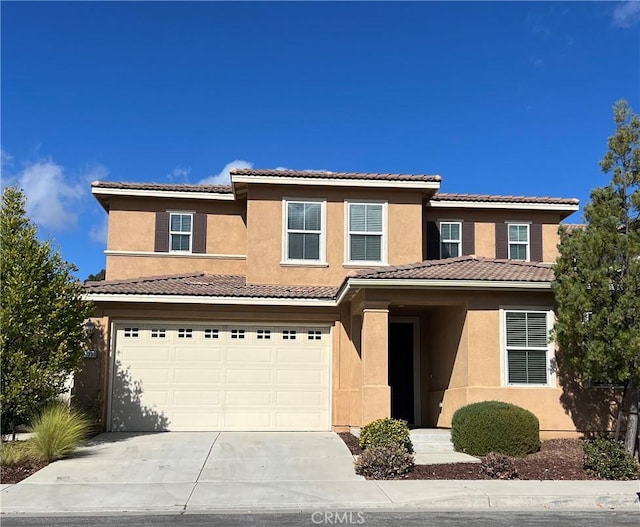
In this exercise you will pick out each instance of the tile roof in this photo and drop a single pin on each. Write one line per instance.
(202, 284)
(465, 268)
(168, 187)
(495, 198)
(325, 174)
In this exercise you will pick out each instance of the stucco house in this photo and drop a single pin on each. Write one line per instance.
(301, 300)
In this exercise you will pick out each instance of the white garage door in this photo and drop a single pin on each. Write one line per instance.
(220, 377)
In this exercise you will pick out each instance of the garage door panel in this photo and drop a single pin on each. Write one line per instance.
(221, 377)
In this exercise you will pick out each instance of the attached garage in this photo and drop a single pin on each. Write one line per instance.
(195, 376)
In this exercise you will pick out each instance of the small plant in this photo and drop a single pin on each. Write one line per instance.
(607, 459)
(386, 432)
(498, 466)
(13, 452)
(495, 426)
(57, 432)
(384, 462)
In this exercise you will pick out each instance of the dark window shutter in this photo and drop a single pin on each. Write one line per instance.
(535, 233)
(433, 241)
(468, 238)
(502, 249)
(199, 233)
(162, 232)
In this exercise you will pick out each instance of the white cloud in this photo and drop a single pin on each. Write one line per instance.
(224, 177)
(5, 158)
(179, 174)
(98, 232)
(626, 14)
(54, 197)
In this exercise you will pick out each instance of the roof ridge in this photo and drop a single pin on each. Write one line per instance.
(144, 279)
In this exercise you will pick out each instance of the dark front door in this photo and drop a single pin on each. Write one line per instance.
(401, 370)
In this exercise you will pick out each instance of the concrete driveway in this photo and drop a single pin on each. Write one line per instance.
(202, 470)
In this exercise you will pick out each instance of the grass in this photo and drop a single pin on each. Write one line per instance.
(57, 432)
(14, 453)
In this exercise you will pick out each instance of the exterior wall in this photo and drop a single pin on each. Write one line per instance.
(265, 238)
(132, 230)
(485, 221)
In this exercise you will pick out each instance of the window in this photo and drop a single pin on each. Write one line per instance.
(158, 333)
(304, 238)
(185, 333)
(211, 333)
(289, 334)
(180, 225)
(518, 241)
(237, 334)
(131, 332)
(366, 232)
(527, 347)
(450, 239)
(314, 334)
(264, 334)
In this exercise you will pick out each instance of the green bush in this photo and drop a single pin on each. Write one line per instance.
(607, 459)
(498, 466)
(384, 462)
(386, 432)
(58, 431)
(494, 426)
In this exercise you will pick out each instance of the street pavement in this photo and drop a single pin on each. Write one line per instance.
(272, 471)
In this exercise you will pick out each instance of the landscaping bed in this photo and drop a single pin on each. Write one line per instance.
(558, 459)
(18, 472)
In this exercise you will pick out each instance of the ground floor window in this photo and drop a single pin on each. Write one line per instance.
(527, 346)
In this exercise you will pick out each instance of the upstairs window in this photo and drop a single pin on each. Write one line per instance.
(450, 239)
(518, 241)
(180, 231)
(366, 233)
(304, 233)
(527, 347)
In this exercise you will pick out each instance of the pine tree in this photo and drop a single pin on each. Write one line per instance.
(597, 275)
(41, 316)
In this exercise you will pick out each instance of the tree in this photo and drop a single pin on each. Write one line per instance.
(597, 275)
(97, 277)
(41, 316)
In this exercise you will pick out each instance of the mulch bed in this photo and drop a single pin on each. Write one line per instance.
(16, 473)
(558, 459)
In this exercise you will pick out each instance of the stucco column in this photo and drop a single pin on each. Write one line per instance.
(376, 394)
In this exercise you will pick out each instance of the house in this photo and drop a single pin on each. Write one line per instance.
(301, 300)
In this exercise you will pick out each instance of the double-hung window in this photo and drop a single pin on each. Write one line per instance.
(180, 231)
(527, 347)
(304, 231)
(450, 239)
(518, 241)
(366, 239)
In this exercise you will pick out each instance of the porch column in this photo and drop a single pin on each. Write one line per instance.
(376, 393)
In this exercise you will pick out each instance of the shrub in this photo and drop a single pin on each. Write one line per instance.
(494, 426)
(498, 466)
(386, 432)
(384, 462)
(58, 431)
(607, 459)
(13, 452)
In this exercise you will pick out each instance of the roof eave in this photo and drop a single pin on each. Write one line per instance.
(147, 193)
(565, 208)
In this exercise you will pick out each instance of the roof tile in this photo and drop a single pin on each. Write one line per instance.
(325, 174)
(167, 187)
(496, 198)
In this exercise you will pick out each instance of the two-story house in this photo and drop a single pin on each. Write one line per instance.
(319, 300)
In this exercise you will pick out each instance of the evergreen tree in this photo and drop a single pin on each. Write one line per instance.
(41, 316)
(597, 275)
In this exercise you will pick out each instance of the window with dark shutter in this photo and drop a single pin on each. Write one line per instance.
(433, 241)
(162, 232)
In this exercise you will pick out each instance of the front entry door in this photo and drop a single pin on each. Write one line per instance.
(401, 370)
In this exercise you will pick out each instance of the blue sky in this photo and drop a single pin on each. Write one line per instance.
(505, 98)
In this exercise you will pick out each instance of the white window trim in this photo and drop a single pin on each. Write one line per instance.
(184, 213)
(322, 261)
(458, 241)
(383, 244)
(527, 244)
(550, 349)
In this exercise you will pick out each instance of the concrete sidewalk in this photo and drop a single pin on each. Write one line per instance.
(274, 471)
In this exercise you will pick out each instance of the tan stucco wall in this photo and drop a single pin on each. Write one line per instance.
(485, 221)
(132, 228)
(265, 234)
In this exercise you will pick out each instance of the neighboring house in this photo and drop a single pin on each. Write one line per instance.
(320, 300)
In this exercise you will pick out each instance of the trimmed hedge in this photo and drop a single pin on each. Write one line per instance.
(495, 426)
(386, 432)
